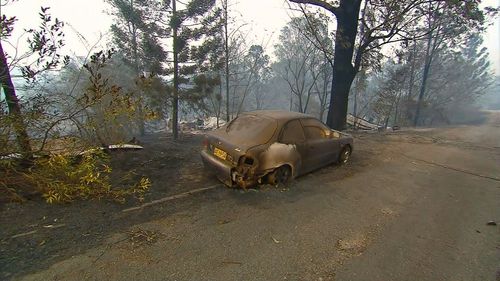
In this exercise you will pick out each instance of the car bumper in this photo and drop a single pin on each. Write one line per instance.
(221, 169)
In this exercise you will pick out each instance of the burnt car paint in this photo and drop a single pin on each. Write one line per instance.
(261, 145)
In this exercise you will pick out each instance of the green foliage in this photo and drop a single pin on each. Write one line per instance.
(111, 110)
(46, 42)
(136, 32)
(63, 178)
(199, 21)
(6, 25)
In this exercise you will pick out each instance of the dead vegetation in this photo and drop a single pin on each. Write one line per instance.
(139, 237)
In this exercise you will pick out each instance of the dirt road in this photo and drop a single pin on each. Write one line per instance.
(412, 205)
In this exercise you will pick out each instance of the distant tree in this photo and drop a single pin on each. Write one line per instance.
(209, 86)
(357, 90)
(458, 78)
(300, 62)
(322, 87)
(389, 92)
(448, 24)
(238, 50)
(254, 70)
(460, 75)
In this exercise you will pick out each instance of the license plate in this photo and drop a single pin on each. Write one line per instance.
(220, 153)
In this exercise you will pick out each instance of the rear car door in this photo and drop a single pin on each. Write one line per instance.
(293, 134)
(322, 148)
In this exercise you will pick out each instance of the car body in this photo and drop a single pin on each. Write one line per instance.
(270, 146)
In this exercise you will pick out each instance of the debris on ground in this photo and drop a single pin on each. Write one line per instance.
(54, 225)
(224, 221)
(124, 146)
(11, 156)
(210, 123)
(140, 237)
(355, 245)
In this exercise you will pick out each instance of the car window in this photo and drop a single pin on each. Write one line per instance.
(314, 129)
(307, 122)
(252, 127)
(314, 132)
(292, 133)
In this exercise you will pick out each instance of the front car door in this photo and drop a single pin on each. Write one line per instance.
(322, 148)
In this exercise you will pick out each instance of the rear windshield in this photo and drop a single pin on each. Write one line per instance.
(253, 127)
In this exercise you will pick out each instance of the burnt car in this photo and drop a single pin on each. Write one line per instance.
(272, 147)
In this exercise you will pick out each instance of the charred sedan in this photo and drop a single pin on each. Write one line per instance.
(272, 147)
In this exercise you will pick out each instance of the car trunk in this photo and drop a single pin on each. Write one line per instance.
(235, 139)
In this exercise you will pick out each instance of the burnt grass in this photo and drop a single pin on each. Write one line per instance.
(35, 235)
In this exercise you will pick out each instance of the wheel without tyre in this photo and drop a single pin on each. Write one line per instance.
(280, 176)
(345, 155)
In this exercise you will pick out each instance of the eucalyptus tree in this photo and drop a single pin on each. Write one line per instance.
(449, 24)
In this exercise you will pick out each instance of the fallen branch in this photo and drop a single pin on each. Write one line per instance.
(169, 198)
(24, 234)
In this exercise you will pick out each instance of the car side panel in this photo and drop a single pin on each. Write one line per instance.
(279, 154)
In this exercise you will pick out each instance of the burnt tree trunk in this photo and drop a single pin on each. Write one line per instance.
(226, 59)
(13, 105)
(343, 70)
(175, 102)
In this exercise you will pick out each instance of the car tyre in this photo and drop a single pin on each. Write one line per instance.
(281, 176)
(345, 155)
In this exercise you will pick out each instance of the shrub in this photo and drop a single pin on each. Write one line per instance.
(64, 178)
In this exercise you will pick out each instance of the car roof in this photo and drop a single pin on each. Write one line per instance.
(280, 115)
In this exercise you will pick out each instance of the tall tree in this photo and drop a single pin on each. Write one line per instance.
(346, 13)
(383, 22)
(225, 8)
(136, 32)
(196, 21)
